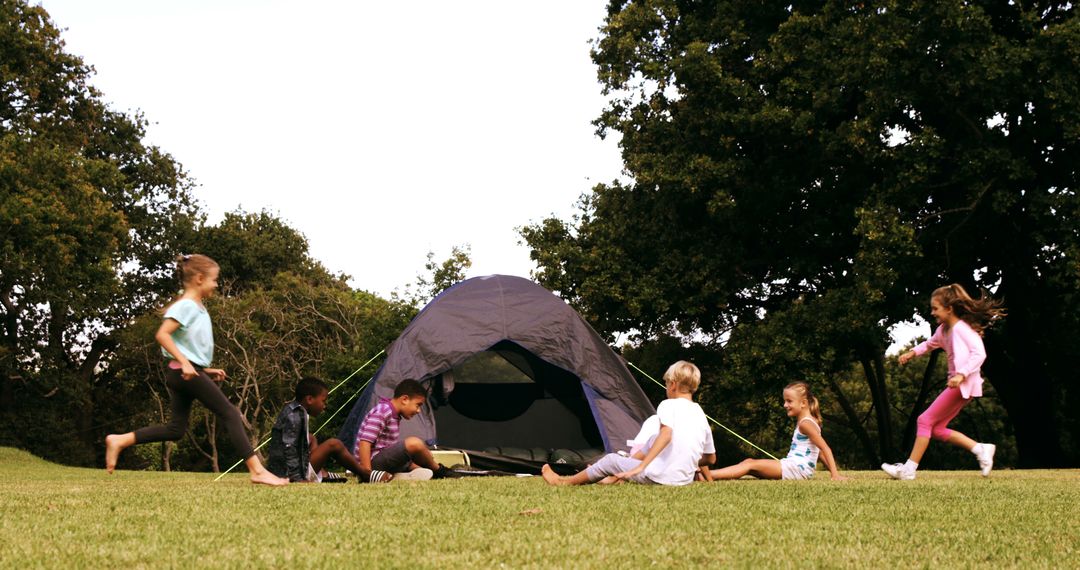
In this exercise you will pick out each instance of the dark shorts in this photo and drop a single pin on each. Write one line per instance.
(393, 459)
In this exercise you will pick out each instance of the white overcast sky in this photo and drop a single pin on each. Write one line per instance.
(381, 130)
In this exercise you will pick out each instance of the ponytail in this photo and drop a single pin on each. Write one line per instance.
(804, 390)
(190, 265)
(980, 314)
(187, 267)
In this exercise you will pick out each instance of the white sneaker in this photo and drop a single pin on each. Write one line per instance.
(897, 471)
(986, 458)
(418, 474)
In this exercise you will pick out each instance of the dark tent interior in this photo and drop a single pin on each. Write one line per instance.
(507, 394)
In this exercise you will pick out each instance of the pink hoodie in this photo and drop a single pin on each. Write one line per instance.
(966, 354)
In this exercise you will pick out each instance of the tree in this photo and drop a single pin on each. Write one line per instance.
(442, 276)
(253, 248)
(90, 216)
(814, 169)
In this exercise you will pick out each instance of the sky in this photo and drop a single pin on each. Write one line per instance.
(380, 130)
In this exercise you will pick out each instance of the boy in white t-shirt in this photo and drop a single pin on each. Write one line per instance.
(683, 444)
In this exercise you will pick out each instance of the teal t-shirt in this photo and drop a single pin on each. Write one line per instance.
(195, 337)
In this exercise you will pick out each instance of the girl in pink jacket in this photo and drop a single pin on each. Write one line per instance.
(961, 321)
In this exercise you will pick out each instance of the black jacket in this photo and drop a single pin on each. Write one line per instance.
(290, 449)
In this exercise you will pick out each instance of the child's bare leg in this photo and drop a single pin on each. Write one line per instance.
(917, 450)
(114, 444)
(420, 454)
(960, 440)
(609, 480)
(333, 448)
(260, 475)
(760, 468)
(553, 478)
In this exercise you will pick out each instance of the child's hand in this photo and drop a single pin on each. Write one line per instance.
(215, 374)
(187, 371)
(627, 475)
(956, 380)
(904, 358)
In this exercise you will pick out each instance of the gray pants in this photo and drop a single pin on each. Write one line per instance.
(393, 459)
(613, 463)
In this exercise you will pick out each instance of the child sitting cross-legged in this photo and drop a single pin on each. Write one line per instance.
(683, 444)
(295, 454)
(380, 449)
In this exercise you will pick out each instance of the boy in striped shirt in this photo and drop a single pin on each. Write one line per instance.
(379, 446)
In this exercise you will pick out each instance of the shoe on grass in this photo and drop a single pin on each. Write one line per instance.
(418, 474)
(445, 472)
(986, 458)
(897, 471)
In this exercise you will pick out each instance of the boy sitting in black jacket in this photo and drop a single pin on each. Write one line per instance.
(295, 453)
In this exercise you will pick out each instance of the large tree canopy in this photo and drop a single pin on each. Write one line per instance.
(89, 214)
(810, 171)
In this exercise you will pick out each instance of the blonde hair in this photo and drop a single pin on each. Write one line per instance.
(803, 389)
(684, 376)
(188, 266)
(979, 313)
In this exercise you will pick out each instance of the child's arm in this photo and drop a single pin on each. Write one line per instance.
(812, 431)
(164, 338)
(662, 440)
(924, 347)
(363, 456)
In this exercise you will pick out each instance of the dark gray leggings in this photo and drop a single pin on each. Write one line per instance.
(181, 394)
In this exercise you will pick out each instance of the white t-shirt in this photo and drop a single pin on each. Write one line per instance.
(690, 439)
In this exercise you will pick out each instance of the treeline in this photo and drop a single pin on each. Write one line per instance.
(804, 174)
(91, 218)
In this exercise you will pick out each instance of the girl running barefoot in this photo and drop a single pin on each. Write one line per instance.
(187, 342)
(806, 444)
(961, 321)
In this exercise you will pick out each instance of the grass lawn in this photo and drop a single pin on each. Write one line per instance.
(54, 516)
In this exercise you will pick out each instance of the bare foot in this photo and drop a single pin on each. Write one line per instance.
(114, 444)
(268, 478)
(550, 475)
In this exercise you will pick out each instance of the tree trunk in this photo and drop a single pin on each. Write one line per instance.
(881, 405)
(1022, 358)
(1025, 392)
(166, 456)
(920, 400)
(211, 431)
(872, 458)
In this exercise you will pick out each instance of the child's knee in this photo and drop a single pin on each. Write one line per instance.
(941, 433)
(925, 422)
(175, 430)
(414, 444)
(334, 444)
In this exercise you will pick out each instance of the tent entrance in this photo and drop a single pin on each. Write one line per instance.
(506, 397)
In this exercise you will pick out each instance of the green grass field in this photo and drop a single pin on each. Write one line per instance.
(54, 516)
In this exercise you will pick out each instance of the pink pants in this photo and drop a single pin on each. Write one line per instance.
(933, 422)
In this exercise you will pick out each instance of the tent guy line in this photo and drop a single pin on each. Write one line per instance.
(729, 430)
(340, 384)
